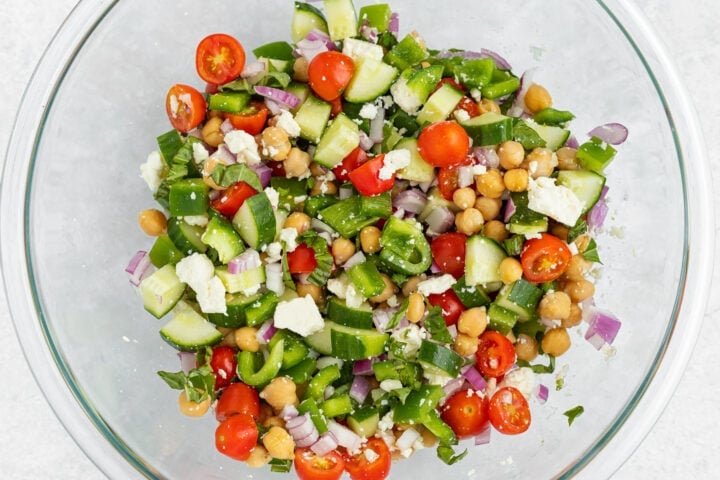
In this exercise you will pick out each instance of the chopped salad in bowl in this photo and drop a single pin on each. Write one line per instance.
(366, 246)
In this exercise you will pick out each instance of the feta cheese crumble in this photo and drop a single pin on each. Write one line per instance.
(555, 201)
(289, 236)
(287, 122)
(368, 111)
(198, 271)
(273, 196)
(521, 378)
(436, 284)
(300, 315)
(243, 145)
(357, 49)
(153, 171)
(394, 160)
(200, 153)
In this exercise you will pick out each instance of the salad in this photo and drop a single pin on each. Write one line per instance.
(366, 246)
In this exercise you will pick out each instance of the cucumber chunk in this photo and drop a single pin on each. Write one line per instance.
(440, 104)
(305, 19)
(418, 170)
(341, 19)
(340, 138)
(189, 331)
(372, 78)
(489, 129)
(255, 221)
(482, 260)
(347, 343)
(161, 291)
(312, 117)
(585, 184)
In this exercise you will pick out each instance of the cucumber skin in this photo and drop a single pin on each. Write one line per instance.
(482, 260)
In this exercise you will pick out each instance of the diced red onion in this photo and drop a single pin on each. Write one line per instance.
(360, 389)
(326, 361)
(572, 142)
(299, 426)
(320, 226)
(440, 220)
(187, 361)
(598, 213)
(612, 133)
(303, 278)
(326, 444)
(509, 210)
(364, 366)
(139, 267)
(369, 33)
(483, 438)
(273, 278)
(411, 200)
(399, 213)
(381, 318)
(247, 260)
(434, 267)
(357, 257)
(425, 186)
(254, 68)
(274, 107)
(474, 378)
(541, 393)
(345, 437)
(329, 390)
(453, 386)
(486, 157)
(452, 330)
(376, 126)
(465, 177)
(279, 96)
(226, 126)
(266, 331)
(407, 439)
(365, 142)
(316, 34)
(309, 48)
(288, 412)
(394, 24)
(224, 155)
(603, 328)
(309, 440)
(518, 106)
(264, 173)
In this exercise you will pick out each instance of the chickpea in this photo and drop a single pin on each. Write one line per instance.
(567, 159)
(246, 339)
(228, 337)
(273, 421)
(555, 305)
(577, 268)
(496, 230)
(575, 317)
(192, 409)
(469, 221)
(579, 290)
(300, 69)
(411, 285)
(416, 307)
(211, 133)
(299, 221)
(556, 341)
(526, 347)
(465, 345)
(511, 154)
(342, 249)
(297, 163)
(370, 239)
(317, 170)
(582, 242)
(540, 162)
(275, 143)
(464, 197)
(259, 457)
(279, 443)
(510, 270)
(473, 322)
(537, 98)
(208, 168)
(389, 291)
(486, 105)
(153, 222)
(490, 184)
(323, 187)
(489, 207)
(279, 393)
(516, 180)
(560, 231)
(304, 289)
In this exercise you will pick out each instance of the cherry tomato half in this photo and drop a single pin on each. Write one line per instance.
(544, 259)
(185, 107)
(224, 364)
(219, 58)
(495, 354)
(231, 199)
(444, 144)
(237, 398)
(466, 413)
(252, 119)
(329, 73)
(354, 159)
(469, 106)
(310, 466)
(450, 304)
(237, 436)
(302, 259)
(509, 411)
(366, 178)
(448, 251)
(360, 467)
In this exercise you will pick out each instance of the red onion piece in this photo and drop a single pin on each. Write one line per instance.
(357, 257)
(440, 220)
(486, 157)
(288, 412)
(309, 48)
(273, 278)
(139, 267)
(453, 386)
(254, 68)
(187, 361)
(266, 331)
(264, 173)
(518, 106)
(434, 267)
(465, 177)
(483, 438)
(365, 142)
(381, 318)
(394, 24)
(509, 210)
(412, 200)
(603, 328)
(572, 142)
(363, 367)
(247, 260)
(360, 389)
(316, 34)
(376, 126)
(303, 278)
(407, 439)
(453, 331)
(320, 226)
(345, 437)
(326, 444)
(309, 440)
(369, 33)
(541, 393)
(598, 213)
(344, 192)
(274, 107)
(224, 155)
(474, 378)
(279, 96)
(298, 425)
(612, 133)
(226, 126)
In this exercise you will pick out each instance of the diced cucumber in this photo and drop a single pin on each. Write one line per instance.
(414, 86)
(261, 309)
(255, 221)
(418, 170)
(408, 52)
(364, 421)
(295, 350)
(243, 282)
(220, 235)
(585, 184)
(470, 295)
(341, 19)
(347, 343)
(501, 319)
(483, 256)
(526, 136)
(339, 139)
(525, 221)
(188, 197)
(164, 252)
(300, 90)
(169, 143)
(187, 238)
(555, 137)
(440, 104)
(312, 118)
(489, 129)
(520, 297)
(161, 291)
(236, 306)
(371, 79)
(306, 18)
(189, 331)
(439, 359)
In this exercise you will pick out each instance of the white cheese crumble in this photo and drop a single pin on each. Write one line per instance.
(338, 286)
(200, 153)
(405, 97)
(153, 171)
(196, 220)
(289, 236)
(461, 115)
(386, 422)
(479, 169)
(369, 111)
(198, 271)
(353, 298)
(436, 284)
(274, 252)
(300, 315)
(273, 196)
(436, 378)
(357, 49)
(243, 145)
(371, 455)
(287, 122)
(394, 160)
(521, 378)
(555, 201)
(412, 337)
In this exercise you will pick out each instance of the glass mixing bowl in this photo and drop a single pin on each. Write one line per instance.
(71, 191)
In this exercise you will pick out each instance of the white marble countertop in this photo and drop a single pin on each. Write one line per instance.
(683, 444)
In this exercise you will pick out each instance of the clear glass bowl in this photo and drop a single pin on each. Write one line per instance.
(71, 191)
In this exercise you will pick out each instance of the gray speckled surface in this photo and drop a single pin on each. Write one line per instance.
(683, 444)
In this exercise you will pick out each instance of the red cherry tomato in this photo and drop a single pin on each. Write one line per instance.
(336, 107)
(360, 468)
(185, 107)
(448, 179)
(448, 251)
(224, 365)
(366, 178)
(231, 199)
(302, 259)
(252, 119)
(329, 73)
(237, 398)
(354, 159)
(237, 436)
(466, 413)
(495, 354)
(310, 466)
(219, 58)
(452, 83)
(544, 259)
(444, 144)
(450, 304)
(509, 411)
(469, 106)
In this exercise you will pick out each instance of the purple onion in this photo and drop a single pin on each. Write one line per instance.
(247, 260)
(572, 142)
(465, 176)
(612, 133)
(345, 192)
(309, 48)
(288, 412)
(264, 173)
(603, 328)
(453, 386)
(273, 278)
(474, 378)
(279, 96)
(357, 257)
(483, 438)
(345, 437)
(326, 444)
(517, 109)
(266, 331)
(434, 267)
(139, 267)
(274, 107)
(453, 331)
(226, 126)
(363, 367)
(359, 389)
(412, 200)
(224, 155)
(187, 361)
(369, 33)
(541, 393)
(486, 157)
(440, 220)
(381, 318)
(309, 440)
(394, 24)
(509, 210)
(254, 68)
(365, 142)
(597, 214)
(315, 35)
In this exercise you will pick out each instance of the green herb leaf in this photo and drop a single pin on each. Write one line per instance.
(559, 383)
(397, 317)
(176, 380)
(573, 413)
(324, 259)
(435, 325)
(447, 454)
(578, 229)
(239, 85)
(200, 384)
(591, 252)
(280, 466)
(539, 368)
(276, 79)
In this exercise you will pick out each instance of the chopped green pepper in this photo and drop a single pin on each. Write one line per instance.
(246, 366)
(404, 247)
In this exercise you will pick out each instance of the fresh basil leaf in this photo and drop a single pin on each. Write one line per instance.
(239, 85)
(323, 258)
(176, 380)
(578, 229)
(397, 317)
(539, 368)
(200, 384)
(447, 454)
(435, 325)
(573, 413)
(276, 79)
(591, 252)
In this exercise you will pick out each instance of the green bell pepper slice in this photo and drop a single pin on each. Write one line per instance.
(269, 370)
(404, 247)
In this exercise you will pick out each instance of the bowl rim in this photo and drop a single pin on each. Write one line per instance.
(117, 460)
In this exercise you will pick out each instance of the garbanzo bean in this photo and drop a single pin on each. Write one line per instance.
(579, 290)
(541, 162)
(577, 268)
(537, 98)
(556, 341)
(321, 187)
(259, 457)
(465, 345)
(496, 230)
(464, 197)
(510, 270)
(300, 69)
(342, 249)
(473, 321)
(299, 221)
(575, 317)
(567, 159)
(511, 154)
(490, 184)
(555, 305)
(153, 222)
(246, 339)
(486, 105)
(416, 307)
(297, 163)
(275, 143)
(314, 291)
(280, 393)
(469, 221)
(411, 285)
(526, 347)
(211, 133)
(489, 207)
(279, 443)
(193, 409)
(370, 239)
(516, 180)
